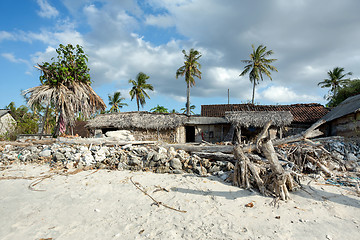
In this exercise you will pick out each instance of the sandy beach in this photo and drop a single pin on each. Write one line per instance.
(106, 204)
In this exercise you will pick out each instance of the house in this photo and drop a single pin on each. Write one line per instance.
(344, 120)
(217, 123)
(7, 122)
(304, 115)
(168, 127)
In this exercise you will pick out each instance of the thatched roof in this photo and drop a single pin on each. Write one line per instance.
(259, 119)
(348, 106)
(137, 120)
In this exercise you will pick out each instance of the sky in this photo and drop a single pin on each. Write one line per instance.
(123, 38)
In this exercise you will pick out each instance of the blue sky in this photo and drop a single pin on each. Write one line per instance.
(123, 38)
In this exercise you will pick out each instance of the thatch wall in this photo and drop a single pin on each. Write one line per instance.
(137, 120)
(259, 119)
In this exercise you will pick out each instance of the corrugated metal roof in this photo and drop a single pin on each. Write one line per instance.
(198, 120)
(303, 113)
(350, 105)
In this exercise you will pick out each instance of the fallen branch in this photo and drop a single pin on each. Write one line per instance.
(157, 203)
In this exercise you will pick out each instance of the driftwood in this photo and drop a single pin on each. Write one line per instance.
(217, 156)
(278, 181)
(28, 142)
(201, 148)
(104, 141)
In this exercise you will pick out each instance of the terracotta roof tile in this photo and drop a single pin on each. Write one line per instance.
(303, 113)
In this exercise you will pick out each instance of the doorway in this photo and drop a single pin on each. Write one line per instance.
(190, 133)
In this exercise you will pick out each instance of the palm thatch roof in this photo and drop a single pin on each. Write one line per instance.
(259, 118)
(137, 120)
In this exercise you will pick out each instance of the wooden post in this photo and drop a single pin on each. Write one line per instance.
(238, 133)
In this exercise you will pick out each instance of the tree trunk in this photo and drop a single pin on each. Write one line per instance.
(137, 102)
(277, 181)
(238, 134)
(282, 179)
(253, 94)
(188, 98)
(42, 127)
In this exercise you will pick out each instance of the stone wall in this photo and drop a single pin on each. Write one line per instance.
(169, 136)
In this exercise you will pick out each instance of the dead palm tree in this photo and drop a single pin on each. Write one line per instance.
(258, 65)
(138, 89)
(190, 69)
(335, 81)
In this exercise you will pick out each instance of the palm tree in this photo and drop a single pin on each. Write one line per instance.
(192, 107)
(67, 99)
(190, 69)
(335, 81)
(115, 102)
(65, 85)
(138, 89)
(258, 65)
(159, 109)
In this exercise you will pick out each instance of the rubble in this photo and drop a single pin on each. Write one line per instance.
(335, 155)
(128, 157)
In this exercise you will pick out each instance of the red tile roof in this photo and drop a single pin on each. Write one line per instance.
(303, 113)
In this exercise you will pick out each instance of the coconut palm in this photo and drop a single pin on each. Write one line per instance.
(190, 69)
(159, 109)
(258, 65)
(67, 100)
(192, 107)
(335, 81)
(65, 85)
(138, 89)
(115, 102)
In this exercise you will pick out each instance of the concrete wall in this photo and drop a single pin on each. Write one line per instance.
(180, 135)
(211, 133)
(6, 123)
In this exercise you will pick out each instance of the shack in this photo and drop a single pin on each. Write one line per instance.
(304, 115)
(248, 124)
(144, 126)
(344, 119)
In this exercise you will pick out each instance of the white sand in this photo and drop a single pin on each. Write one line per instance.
(106, 205)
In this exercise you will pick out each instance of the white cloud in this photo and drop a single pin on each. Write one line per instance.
(280, 94)
(163, 21)
(6, 36)
(303, 42)
(46, 10)
(11, 57)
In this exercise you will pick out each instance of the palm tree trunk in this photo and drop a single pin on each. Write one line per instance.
(253, 95)
(42, 127)
(188, 99)
(137, 102)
